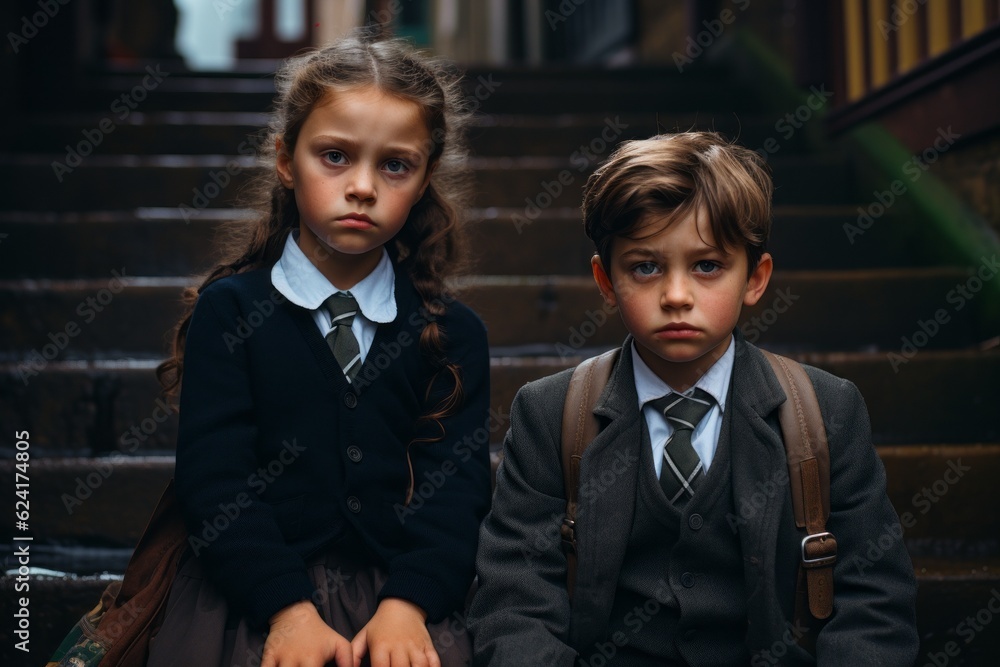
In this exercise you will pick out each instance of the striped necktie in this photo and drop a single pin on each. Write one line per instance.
(682, 468)
(342, 307)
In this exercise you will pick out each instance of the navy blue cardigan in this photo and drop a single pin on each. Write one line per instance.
(278, 455)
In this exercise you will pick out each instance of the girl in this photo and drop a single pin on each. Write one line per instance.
(331, 385)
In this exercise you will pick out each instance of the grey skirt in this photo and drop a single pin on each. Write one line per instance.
(200, 631)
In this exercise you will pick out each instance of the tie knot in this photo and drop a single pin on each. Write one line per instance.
(684, 412)
(342, 308)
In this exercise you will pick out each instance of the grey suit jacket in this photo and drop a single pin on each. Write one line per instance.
(521, 614)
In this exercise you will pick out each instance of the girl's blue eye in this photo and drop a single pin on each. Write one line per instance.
(336, 157)
(706, 266)
(395, 166)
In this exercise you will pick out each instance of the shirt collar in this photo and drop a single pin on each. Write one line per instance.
(303, 284)
(715, 381)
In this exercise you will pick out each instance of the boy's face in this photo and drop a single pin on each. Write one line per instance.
(679, 296)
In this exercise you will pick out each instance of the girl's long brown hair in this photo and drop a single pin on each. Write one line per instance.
(427, 247)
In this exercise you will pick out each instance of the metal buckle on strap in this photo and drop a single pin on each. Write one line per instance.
(568, 533)
(828, 559)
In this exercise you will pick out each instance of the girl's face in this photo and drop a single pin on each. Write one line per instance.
(359, 164)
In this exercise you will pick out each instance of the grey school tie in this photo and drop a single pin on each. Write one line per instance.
(342, 308)
(682, 469)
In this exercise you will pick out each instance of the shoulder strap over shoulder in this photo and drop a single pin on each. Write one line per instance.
(579, 428)
(808, 455)
(806, 448)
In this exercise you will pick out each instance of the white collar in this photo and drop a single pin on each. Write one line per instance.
(303, 284)
(715, 381)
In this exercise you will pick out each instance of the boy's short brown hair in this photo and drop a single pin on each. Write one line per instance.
(673, 175)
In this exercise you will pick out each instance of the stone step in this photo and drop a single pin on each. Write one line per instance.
(947, 594)
(155, 133)
(950, 593)
(78, 560)
(92, 502)
(163, 88)
(803, 238)
(905, 402)
(592, 74)
(800, 310)
(647, 90)
(937, 491)
(197, 182)
(533, 185)
(517, 134)
(93, 408)
(87, 245)
(220, 133)
(496, 91)
(164, 243)
(113, 318)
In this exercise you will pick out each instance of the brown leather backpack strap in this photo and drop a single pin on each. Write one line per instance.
(579, 428)
(136, 611)
(808, 455)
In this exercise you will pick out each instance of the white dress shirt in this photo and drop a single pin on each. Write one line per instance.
(303, 284)
(705, 438)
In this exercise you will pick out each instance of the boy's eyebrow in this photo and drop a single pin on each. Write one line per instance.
(645, 252)
(639, 253)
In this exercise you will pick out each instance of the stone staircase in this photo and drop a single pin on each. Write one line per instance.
(92, 265)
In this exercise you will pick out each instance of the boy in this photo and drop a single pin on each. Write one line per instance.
(676, 565)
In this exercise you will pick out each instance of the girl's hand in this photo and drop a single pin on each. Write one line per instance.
(397, 636)
(299, 637)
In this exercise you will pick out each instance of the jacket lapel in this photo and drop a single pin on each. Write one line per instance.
(608, 478)
(609, 475)
(760, 484)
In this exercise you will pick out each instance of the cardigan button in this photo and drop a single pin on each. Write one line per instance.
(687, 580)
(695, 522)
(354, 453)
(350, 400)
(354, 504)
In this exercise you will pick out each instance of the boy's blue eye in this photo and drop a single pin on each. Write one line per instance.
(645, 268)
(706, 266)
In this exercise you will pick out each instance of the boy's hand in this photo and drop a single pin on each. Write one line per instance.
(396, 636)
(299, 637)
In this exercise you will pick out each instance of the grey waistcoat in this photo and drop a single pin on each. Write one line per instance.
(680, 597)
